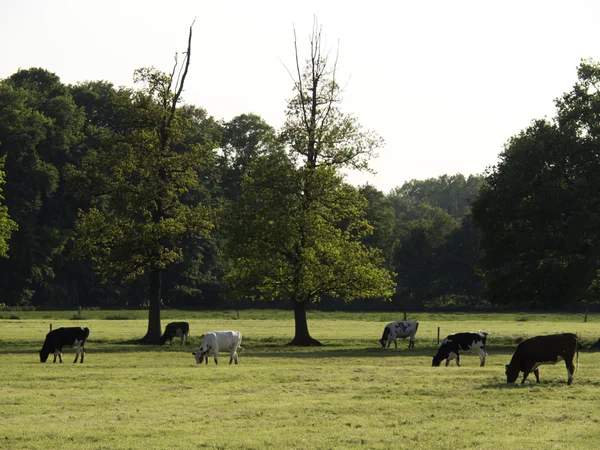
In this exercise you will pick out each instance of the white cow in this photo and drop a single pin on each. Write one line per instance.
(395, 330)
(215, 341)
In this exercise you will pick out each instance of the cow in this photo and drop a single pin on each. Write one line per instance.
(216, 341)
(64, 337)
(455, 344)
(395, 330)
(538, 350)
(176, 329)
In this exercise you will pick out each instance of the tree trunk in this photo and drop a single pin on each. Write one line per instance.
(154, 329)
(302, 337)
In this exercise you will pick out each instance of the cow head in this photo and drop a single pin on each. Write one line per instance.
(512, 373)
(44, 355)
(45, 352)
(437, 361)
(200, 356)
(382, 341)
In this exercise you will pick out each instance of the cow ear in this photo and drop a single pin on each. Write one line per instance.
(193, 353)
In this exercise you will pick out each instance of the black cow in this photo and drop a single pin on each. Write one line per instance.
(538, 350)
(64, 337)
(455, 344)
(176, 329)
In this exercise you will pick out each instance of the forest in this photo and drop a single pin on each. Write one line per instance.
(126, 197)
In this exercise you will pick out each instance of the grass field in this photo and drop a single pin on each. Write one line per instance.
(347, 394)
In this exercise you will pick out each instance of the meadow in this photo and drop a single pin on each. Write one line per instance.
(347, 394)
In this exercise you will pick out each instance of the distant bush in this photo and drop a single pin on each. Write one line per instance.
(456, 301)
(522, 319)
(118, 317)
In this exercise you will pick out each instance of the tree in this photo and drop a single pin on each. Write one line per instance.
(539, 211)
(298, 227)
(245, 138)
(40, 130)
(139, 179)
(7, 225)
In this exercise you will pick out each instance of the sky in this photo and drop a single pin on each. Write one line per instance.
(445, 84)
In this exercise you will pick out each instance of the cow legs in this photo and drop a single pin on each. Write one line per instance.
(525, 374)
(411, 343)
(216, 358)
(396, 343)
(482, 356)
(458, 360)
(570, 371)
(77, 351)
(536, 372)
(59, 354)
(233, 357)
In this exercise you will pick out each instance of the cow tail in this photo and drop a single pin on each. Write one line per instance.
(577, 345)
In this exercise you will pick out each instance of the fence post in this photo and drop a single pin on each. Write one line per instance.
(79, 312)
(50, 327)
(438, 336)
(586, 313)
(405, 316)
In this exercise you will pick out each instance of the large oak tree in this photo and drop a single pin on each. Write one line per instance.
(140, 180)
(298, 227)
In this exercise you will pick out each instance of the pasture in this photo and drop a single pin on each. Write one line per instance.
(348, 394)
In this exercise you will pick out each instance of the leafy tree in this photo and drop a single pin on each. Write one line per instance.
(451, 193)
(381, 215)
(40, 129)
(245, 138)
(538, 211)
(7, 225)
(140, 178)
(298, 228)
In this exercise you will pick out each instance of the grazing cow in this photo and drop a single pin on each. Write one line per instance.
(215, 341)
(455, 344)
(538, 350)
(176, 329)
(395, 330)
(64, 337)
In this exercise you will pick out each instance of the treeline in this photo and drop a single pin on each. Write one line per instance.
(106, 188)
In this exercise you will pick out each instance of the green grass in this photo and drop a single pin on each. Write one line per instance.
(347, 394)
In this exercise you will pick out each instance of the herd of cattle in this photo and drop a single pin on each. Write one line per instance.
(528, 356)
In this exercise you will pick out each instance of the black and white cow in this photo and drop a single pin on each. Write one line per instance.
(176, 329)
(395, 330)
(535, 351)
(216, 341)
(64, 337)
(455, 344)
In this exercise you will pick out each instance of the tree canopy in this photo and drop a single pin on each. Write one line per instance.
(539, 207)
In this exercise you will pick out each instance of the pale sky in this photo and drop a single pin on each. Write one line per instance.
(445, 83)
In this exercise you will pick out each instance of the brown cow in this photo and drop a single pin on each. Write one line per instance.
(533, 352)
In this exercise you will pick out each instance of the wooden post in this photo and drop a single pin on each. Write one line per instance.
(438, 335)
(586, 313)
(79, 312)
(405, 316)
(50, 327)
(238, 313)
